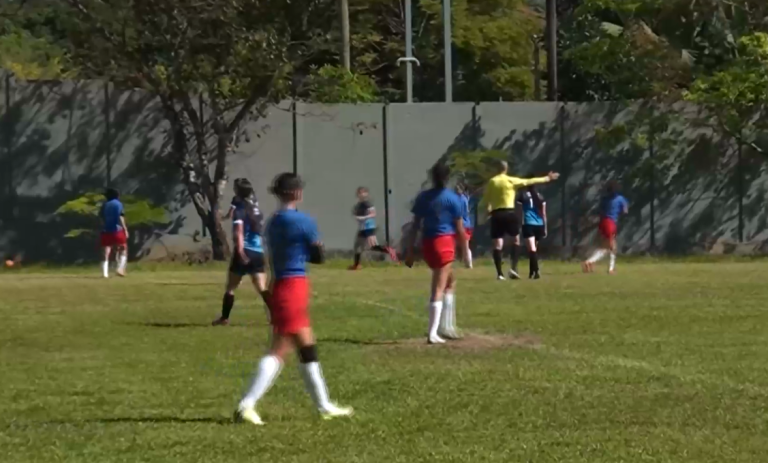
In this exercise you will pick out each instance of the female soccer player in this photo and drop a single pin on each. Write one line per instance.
(293, 240)
(365, 214)
(248, 258)
(612, 206)
(466, 215)
(439, 212)
(534, 210)
(114, 233)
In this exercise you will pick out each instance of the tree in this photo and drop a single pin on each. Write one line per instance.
(236, 56)
(335, 84)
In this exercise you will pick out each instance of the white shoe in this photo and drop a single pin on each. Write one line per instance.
(450, 335)
(332, 411)
(513, 275)
(435, 340)
(249, 415)
(500, 278)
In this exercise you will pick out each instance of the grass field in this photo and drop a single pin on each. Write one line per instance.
(664, 362)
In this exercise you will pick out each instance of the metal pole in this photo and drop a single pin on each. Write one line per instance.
(740, 171)
(551, 51)
(652, 153)
(345, 53)
(447, 51)
(408, 51)
(536, 68)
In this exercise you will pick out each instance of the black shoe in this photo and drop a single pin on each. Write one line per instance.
(536, 276)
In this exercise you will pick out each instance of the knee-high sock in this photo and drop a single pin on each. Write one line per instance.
(105, 268)
(269, 369)
(596, 256)
(315, 383)
(515, 256)
(435, 311)
(122, 261)
(357, 258)
(612, 265)
(226, 305)
(449, 312)
(497, 261)
(534, 261)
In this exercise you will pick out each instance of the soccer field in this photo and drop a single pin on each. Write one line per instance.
(662, 362)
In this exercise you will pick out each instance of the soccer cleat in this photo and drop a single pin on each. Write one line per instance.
(249, 415)
(500, 277)
(612, 272)
(120, 273)
(587, 267)
(220, 322)
(451, 335)
(435, 340)
(353, 268)
(332, 411)
(536, 276)
(513, 275)
(393, 254)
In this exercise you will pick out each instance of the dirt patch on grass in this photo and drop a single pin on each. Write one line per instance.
(472, 341)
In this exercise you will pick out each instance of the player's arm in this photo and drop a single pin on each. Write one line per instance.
(410, 240)
(521, 182)
(122, 222)
(240, 241)
(544, 217)
(625, 207)
(485, 201)
(316, 248)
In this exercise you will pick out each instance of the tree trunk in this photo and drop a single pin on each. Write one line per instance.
(219, 243)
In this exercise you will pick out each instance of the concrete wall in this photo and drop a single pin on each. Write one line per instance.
(56, 144)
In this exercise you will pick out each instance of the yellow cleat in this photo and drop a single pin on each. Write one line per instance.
(249, 415)
(334, 411)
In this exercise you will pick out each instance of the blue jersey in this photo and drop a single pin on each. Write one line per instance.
(111, 211)
(251, 235)
(466, 211)
(361, 210)
(290, 234)
(439, 209)
(611, 207)
(531, 214)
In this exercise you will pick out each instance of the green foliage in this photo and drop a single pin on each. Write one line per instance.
(138, 211)
(334, 84)
(475, 167)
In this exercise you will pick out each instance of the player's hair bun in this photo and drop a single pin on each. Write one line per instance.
(286, 183)
(243, 188)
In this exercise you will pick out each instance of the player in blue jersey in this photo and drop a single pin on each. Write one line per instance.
(467, 215)
(365, 215)
(438, 213)
(248, 255)
(114, 232)
(612, 206)
(534, 210)
(293, 241)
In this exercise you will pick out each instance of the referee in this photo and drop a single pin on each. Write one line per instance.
(499, 200)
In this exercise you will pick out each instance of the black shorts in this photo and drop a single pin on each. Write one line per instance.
(504, 222)
(533, 231)
(365, 234)
(255, 263)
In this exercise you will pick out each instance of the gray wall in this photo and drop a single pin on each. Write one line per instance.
(56, 144)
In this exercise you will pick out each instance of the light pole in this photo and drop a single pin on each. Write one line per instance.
(447, 51)
(408, 59)
(551, 50)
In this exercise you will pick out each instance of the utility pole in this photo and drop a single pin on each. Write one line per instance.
(447, 51)
(536, 40)
(345, 53)
(551, 50)
(408, 59)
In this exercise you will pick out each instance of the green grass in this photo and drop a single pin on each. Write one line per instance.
(662, 362)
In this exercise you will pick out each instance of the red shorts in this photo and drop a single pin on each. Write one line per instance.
(607, 228)
(439, 251)
(468, 232)
(289, 305)
(109, 239)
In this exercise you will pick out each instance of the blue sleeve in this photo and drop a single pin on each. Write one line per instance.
(121, 209)
(418, 207)
(310, 230)
(457, 209)
(624, 203)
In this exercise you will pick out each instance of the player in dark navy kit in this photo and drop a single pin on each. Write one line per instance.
(114, 233)
(248, 256)
(534, 210)
(293, 241)
(612, 206)
(438, 211)
(365, 214)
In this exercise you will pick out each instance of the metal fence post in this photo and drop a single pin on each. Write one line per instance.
(564, 181)
(652, 154)
(740, 186)
(107, 134)
(385, 151)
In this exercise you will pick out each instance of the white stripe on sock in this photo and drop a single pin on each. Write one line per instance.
(269, 369)
(315, 383)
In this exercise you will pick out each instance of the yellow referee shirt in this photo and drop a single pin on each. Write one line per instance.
(500, 191)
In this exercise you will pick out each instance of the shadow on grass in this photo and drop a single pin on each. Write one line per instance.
(357, 342)
(148, 419)
(174, 325)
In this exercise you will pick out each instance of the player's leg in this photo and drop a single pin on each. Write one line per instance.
(266, 373)
(122, 259)
(448, 328)
(533, 258)
(312, 374)
(358, 249)
(228, 301)
(603, 240)
(106, 250)
(612, 247)
(497, 237)
(373, 245)
(439, 283)
(514, 231)
(467, 250)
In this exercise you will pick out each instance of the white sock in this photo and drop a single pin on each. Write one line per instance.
(105, 268)
(435, 310)
(313, 379)
(449, 312)
(469, 258)
(122, 261)
(269, 369)
(612, 265)
(599, 254)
